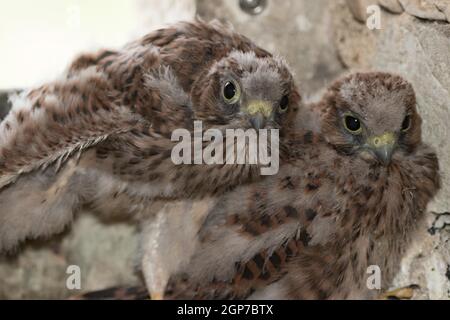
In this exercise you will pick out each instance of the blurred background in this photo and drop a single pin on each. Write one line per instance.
(321, 40)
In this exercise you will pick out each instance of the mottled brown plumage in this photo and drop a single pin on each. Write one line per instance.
(100, 135)
(344, 201)
(336, 207)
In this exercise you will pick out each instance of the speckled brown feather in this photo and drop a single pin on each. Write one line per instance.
(110, 83)
(111, 116)
(311, 231)
(345, 211)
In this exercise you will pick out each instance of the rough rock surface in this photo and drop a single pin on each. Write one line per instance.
(104, 253)
(424, 9)
(427, 263)
(300, 31)
(430, 9)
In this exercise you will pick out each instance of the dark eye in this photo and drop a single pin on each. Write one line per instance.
(406, 124)
(284, 103)
(352, 124)
(231, 92)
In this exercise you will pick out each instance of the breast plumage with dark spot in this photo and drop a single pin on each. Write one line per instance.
(99, 137)
(336, 221)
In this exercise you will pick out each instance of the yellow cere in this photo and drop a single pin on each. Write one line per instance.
(259, 106)
(387, 138)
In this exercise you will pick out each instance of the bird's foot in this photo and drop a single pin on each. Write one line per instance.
(156, 295)
(405, 293)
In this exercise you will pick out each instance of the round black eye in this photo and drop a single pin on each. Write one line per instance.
(284, 103)
(352, 124)
(229, 90)
(406, 123)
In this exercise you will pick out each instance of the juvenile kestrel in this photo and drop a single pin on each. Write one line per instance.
(100, 136)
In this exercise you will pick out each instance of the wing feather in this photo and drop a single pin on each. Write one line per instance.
(62, 125)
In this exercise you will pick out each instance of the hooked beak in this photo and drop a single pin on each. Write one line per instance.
(383, 146)
(259, 112)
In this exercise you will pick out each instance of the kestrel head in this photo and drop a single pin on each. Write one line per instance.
(242, 90)
(372, 115)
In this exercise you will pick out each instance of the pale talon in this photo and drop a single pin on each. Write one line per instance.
(156, 296)
(404, 293)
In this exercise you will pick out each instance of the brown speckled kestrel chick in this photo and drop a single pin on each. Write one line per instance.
(100, 136)
(350, 197)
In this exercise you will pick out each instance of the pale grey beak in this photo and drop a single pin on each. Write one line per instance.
(258, 121)
(384, 153)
